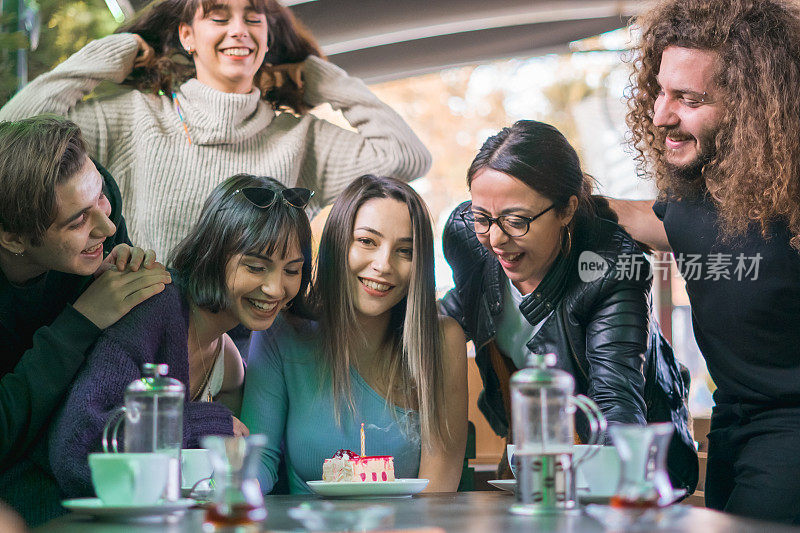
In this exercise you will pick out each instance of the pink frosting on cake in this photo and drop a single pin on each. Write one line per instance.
(348, 466)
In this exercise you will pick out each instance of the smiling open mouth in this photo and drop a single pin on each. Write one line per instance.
(511, 258)
(262, 305)
(237, 52)
(92, 249)
(374, 285)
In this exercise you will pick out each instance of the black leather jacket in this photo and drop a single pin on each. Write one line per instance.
(602, 330)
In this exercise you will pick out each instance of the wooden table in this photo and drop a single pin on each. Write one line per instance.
(462, 512)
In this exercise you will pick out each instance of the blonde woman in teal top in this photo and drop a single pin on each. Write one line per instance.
(379, 352)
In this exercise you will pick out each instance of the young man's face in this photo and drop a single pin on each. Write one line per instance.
(688, 109)
(74, 241)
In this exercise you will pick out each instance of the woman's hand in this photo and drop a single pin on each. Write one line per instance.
(278, 75)
(239, 429)
(145, 54)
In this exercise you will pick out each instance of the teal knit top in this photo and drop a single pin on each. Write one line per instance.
(285, 399)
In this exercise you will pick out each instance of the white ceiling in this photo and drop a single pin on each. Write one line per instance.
(384, 39)
(379, 40)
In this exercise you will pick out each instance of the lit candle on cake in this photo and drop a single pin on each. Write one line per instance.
(362, 440)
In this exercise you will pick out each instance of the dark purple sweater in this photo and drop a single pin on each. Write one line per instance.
(155, 331)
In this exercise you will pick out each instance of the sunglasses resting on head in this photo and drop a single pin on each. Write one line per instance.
(264, 197)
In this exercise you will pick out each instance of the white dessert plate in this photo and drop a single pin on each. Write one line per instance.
(511, 486)
(583, 496)
(368, 489)
(504, 484)
(95, 507)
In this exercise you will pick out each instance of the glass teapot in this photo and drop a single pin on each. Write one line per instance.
(543, 425)
(153, 415)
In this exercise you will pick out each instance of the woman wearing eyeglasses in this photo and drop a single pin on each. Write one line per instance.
(379, 353)
(243, 262)
(210, 88)
(540, 266)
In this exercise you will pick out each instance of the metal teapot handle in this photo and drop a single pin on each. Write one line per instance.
(115, 420)
(597, 423)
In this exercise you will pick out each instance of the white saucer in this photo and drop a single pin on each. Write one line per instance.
(155, 512)
(504, 484)
(584, 497)
(368, 489)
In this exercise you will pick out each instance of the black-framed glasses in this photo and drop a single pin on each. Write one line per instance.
(265, 197)
(511, 225)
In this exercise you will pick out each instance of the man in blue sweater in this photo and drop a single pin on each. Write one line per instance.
(67, 271)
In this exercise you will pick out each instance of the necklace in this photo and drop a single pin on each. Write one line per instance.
(207, 377)
(206, 372)
(180, 116)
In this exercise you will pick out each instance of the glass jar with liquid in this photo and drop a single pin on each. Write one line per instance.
(543, 429)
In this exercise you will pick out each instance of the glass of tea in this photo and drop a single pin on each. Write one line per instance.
(237, 500)
(644, 482)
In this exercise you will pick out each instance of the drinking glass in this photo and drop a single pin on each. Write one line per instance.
(237, 500)
(644, 482)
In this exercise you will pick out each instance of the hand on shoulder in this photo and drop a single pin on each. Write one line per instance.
(133, 257)
(115, 292)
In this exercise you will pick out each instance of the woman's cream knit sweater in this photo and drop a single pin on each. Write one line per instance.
(164, 179)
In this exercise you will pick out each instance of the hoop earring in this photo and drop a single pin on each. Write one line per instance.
(566, 243)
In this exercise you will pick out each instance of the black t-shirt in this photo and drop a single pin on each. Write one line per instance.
(747, 326)
(23, 310)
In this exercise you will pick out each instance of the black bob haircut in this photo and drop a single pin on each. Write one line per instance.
(229, 225)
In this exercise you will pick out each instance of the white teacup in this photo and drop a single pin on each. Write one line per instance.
(599, 473)
(195, 466)
(129, 478)
(510, 457)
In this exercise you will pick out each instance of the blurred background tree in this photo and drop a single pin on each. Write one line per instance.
(10, 42)
(66, 26)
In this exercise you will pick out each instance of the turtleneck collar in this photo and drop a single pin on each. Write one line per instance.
(216, 117)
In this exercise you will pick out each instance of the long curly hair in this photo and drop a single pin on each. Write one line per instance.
(754, 173)
(289, 42)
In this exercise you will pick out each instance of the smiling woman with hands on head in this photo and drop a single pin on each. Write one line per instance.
(211, 88)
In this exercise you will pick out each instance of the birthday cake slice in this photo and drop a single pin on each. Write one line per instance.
(348, 466)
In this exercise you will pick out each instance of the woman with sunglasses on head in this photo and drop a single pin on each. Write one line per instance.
(379, 353)
(522, 252)
(211, 88)
(246, 259)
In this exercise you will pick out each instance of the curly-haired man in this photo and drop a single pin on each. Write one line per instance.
(715, 118)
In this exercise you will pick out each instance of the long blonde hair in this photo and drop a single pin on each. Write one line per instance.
(414, 340)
